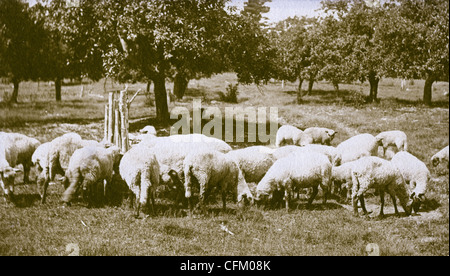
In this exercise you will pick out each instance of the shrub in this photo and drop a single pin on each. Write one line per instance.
(231, 95)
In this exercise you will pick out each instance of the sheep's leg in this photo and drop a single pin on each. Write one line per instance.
(394, 202)
(224, 200)
(26, 173)
(313, 195)
(152, 198)
(287, 197)
(381, 215)
(363, 204)
(44, 191)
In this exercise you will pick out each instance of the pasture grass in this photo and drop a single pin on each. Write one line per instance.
(33, 229)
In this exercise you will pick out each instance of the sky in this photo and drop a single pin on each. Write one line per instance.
(279, 9)
(282, 9)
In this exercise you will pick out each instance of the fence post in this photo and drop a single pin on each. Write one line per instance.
(105, 137)
(123, 109)
(111, 117)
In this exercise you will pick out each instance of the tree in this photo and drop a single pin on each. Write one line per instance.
(18, 41)
(419, 41)
(256, 9)
(73, 40)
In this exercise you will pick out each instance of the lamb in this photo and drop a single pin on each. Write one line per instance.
(440, 157)
(24, 147)
(290, 135)
(320, 135)
(356, 147)
(213, 169)
(87, 167)
(416, 173)
(394, 140)
(341, 176)
(303, 170)
(140, 169)
(254, 161)
(15, 149)
(374, 172)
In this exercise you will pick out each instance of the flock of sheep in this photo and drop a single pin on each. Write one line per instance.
(196, 164)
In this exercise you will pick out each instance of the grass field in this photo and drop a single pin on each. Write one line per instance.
(33, 229)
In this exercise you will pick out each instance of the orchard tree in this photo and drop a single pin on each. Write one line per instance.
(19, 44)
(418, 38)
(255, 9)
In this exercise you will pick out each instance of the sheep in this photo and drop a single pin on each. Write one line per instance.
(284, 151)
(191, 140)
(356, 147)
(24, 147)
(440, 157)
(320, 135)
(375, 172)
(290, 135)
(298, 170)
(415, 173)
(88, 166)
(59, 153)
(148, 130)
(213, 169)
(254, 161)
(140, 169)
(394, 140)
(15, 149)
(341, 177)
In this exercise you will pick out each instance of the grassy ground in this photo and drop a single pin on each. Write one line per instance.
(32, 229)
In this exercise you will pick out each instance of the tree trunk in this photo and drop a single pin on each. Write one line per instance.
(179, 86)
(58, 82)
(311, 84)
(149, 83)
(15, 93)
(373, 81)
(162, 109)
(336, 87)
(428, 89)
(299, 92)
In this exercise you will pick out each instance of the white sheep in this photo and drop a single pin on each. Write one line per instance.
(59, 153)
(15, 149)
(24, 147)
(291, 135)
(298, 170)
(392, 141)
(212, 169)
(320, 135)
(148, 130)
(341, 177)
(139, 168)
(415, 173)
(254, 161)
(374, 172)
(440, 157)
(284, 151)
(89, 166)
(356, 147)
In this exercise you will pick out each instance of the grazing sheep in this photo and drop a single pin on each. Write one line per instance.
(39, 159)
(24, 148)
(374, 172)
(356, 147)
(284, 151)
(298, 170)
(213, 169)
(415, 173)
(290, 135)
(139, 168)
(440, 157)
(59, 153)
(395, 140)
(320, 135)
(254, 161)
(341, 176)
(15, 149)
(87, 167)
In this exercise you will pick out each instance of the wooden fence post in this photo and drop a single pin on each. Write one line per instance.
(111, 117)
(123, 109)
(105, 137)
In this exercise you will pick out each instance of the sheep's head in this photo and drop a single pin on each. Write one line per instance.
(435, 160)
(416, 201)
(8, 174)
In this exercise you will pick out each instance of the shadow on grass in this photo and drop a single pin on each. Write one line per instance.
(26, 200)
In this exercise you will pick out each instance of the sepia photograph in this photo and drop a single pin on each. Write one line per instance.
(238, 130)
